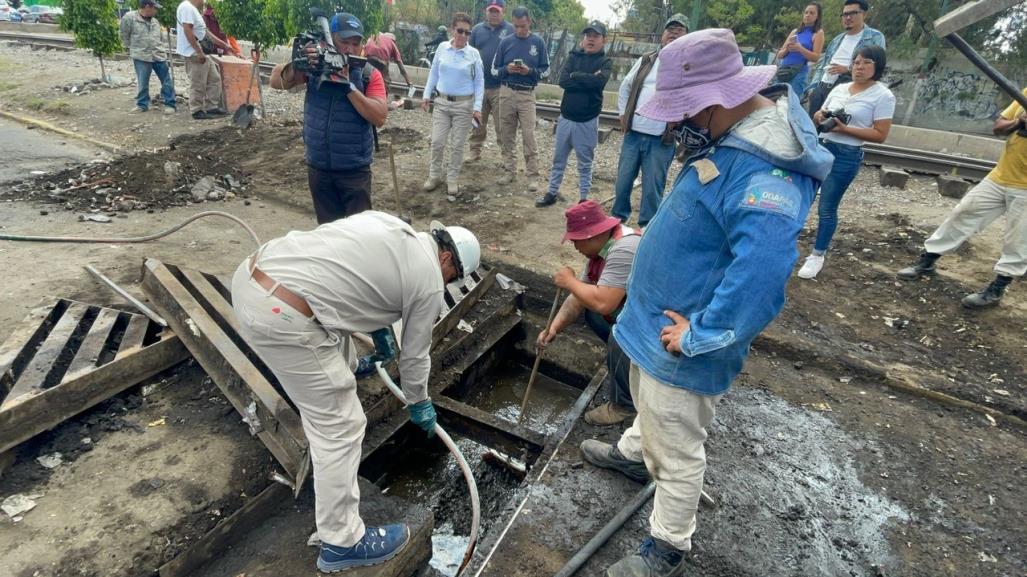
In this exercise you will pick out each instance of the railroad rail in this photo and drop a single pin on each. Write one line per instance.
(912, 160)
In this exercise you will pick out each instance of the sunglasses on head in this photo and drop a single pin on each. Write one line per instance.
(461, 31)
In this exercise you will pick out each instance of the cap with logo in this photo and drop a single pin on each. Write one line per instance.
(595, 26)
(144, 3)
(495, 5)
(346, 25)
(678, 19)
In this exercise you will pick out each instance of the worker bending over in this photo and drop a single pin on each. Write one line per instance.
(599, 292)
(299, 298)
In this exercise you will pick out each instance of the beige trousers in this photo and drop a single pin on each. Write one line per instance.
(204, 84)
(975, 211)
(668, 434)
(489, 107)
(517, 108)
(314, 366)
(450, 125)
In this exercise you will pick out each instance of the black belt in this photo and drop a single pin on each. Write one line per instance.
(519, 87)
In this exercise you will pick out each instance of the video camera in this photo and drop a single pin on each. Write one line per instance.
(330, 61)
(831, 118)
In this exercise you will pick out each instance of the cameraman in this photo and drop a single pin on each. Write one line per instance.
(854, 113)
(337, 119)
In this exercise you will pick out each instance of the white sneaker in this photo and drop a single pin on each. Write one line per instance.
(168, 110)
(814, 263)
(138, 110)
(431, 184)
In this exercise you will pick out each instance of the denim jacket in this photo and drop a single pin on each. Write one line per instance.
(870, 37)
(720, 254)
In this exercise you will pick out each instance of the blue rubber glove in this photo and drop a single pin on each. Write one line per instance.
(423, 415)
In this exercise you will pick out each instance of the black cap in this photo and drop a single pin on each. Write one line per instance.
(595, 26)
(143, 3)
(346, 25)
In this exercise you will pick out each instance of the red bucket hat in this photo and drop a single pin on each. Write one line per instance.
(587, 219)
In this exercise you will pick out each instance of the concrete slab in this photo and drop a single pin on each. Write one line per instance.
(25, 150)
(948, 142)
(894, 176)
(278, 548)
(952, 186)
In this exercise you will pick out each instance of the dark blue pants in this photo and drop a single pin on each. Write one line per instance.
(647, 153)
(617, 363)
(167, 87)
(847, 160)
(338, 194)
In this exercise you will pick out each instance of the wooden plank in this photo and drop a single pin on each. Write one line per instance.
(227, 532)
(24, 417)
(213, 297)
(30, 329)
(969, 14)
(89, 351)
(452, 318)
(34, 375)
(488, 429)
(241, 382)
(134, 335)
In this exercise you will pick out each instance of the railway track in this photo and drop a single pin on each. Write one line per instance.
(911, 160)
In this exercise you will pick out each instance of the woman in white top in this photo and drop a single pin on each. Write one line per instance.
(870, 106)
(456, 84)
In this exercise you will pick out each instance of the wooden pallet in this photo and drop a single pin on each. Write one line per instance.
(67, 356)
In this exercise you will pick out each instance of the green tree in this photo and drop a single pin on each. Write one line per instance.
(261, 22)
(95, 26)
(297, 13)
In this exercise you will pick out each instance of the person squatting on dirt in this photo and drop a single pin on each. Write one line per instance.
(299, 298)
(141, 36)
(648, 145)
(520, 62)
(456, 86)
(870, 107)
(583, 78)
(1003, 191)
(194, 44)
(485, 37)
(599, 293)
(710, 272)
(835, 64)
(337, 124)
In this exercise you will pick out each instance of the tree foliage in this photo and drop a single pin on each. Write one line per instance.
(261, 22)
(296, 13)
(94, 24)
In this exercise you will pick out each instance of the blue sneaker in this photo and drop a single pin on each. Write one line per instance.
(378, 545)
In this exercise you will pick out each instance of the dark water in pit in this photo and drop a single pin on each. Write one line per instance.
(502, 392)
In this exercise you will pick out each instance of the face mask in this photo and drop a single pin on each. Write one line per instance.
(695, 140)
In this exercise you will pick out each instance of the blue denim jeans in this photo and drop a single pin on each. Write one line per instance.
(648, 153)
(582, 137)
(800, 81)
(847, 160)
(167, 88)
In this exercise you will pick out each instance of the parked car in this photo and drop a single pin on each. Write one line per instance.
(6, 12)
(43, 14)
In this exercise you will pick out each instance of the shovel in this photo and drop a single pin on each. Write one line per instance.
(538, 358)
(395, 187)
(243, 117)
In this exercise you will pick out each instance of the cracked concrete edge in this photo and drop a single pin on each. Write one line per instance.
(29, 121)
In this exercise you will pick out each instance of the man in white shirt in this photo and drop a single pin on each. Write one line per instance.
(204, 78)
(298, 300)
(835, 64)
(648, 145)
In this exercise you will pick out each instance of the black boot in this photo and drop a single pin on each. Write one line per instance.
(922, 267)
(991, 294)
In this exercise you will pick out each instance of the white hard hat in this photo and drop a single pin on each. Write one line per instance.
(468, 251)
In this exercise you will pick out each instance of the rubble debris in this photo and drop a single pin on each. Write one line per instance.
(51, 461)
(19, 503)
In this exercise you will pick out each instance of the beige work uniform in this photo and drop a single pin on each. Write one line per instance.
(360, 273)
(517, 108)
(489, 108)
(668, 434)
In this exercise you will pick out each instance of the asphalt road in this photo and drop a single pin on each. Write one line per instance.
(23, 151)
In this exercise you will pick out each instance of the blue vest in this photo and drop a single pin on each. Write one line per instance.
(335, 135)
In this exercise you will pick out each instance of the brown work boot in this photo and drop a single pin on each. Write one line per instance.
(473, 156)
(608, 414)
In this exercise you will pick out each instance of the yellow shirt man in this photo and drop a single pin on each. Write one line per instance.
(1011, 169)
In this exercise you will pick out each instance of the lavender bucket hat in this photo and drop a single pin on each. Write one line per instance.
(700, 70)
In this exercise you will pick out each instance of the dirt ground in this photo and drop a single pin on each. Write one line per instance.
(820, 469)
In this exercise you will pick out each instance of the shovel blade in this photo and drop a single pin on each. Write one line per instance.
(243, 116)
